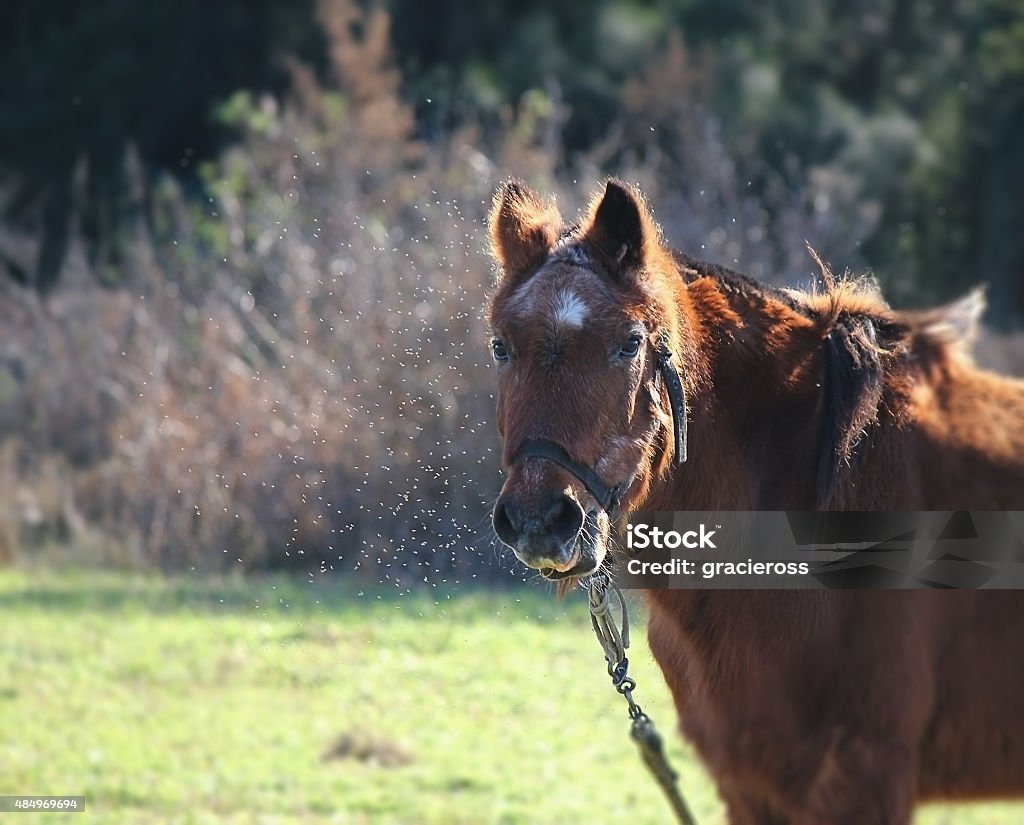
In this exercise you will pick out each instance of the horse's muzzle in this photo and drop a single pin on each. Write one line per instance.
(544, 533)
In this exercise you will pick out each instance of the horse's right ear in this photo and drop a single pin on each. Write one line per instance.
(523, 227)
(621, 227)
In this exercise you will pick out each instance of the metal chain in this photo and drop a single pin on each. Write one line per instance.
(614, 640)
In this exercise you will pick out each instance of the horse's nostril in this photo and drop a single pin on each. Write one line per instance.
(508, 522)
(564, 518)
(559, 518)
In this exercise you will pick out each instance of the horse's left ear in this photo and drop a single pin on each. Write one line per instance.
(621, 227)
(523, 228)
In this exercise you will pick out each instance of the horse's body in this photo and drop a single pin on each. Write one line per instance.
(807, 706)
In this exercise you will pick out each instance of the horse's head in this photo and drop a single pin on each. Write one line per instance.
(584, 321)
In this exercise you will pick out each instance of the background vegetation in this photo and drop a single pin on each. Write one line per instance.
(241, 257)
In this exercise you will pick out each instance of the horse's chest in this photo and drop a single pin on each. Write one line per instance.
(735, 705)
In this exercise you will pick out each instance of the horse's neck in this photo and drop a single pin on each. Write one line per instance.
(753, 412)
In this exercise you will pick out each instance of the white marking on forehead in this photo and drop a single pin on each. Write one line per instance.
(570, 309)
(532, 295)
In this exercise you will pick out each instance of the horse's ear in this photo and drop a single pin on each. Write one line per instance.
(621, 228)
(523, 227)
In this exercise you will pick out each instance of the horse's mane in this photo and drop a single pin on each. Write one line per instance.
(871, 351)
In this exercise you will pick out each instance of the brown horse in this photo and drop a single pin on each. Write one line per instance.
(810, 706)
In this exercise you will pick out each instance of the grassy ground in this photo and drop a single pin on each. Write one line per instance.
(192, 700)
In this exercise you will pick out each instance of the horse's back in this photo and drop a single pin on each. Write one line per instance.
(969, 427)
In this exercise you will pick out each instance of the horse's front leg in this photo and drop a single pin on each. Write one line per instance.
(861, 782)
(744, 808)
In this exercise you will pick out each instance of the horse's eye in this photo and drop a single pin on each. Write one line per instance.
(499, 350)
(631, 346)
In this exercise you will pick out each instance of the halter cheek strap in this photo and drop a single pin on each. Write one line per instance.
(607, 496)
(676, 399)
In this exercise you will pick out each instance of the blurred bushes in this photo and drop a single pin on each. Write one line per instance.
(290, 376)
(292, 370)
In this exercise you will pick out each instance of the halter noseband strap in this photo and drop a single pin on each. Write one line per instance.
(604, 494)
(607, 497)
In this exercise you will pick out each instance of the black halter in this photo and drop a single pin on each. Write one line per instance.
(605, 495)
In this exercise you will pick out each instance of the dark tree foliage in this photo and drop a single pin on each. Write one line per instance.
(918, 103)
(80, 82)
(909, 109)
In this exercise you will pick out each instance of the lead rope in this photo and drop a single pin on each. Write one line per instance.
(614, 643)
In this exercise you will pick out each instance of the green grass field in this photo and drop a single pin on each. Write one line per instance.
(192, 700)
